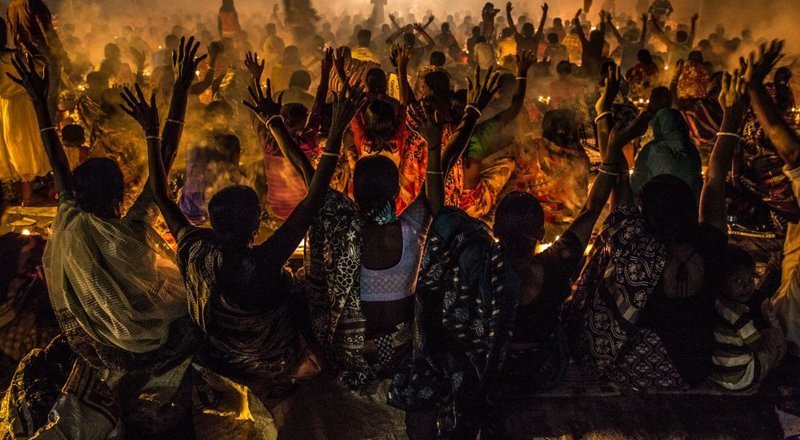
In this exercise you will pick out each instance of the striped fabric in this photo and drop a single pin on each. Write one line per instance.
(735, 366)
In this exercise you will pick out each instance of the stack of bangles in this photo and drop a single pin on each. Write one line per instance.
(603, 115)
(610, 169)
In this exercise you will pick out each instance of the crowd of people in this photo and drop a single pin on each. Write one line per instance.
(424, 216)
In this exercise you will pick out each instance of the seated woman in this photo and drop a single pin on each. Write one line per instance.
(250, 334)
(489, 321)
(364, 259)
(642, 311)
(113, 282)
(670, 152)
(114, 285)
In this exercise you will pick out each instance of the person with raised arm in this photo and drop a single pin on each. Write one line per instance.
(113, 282)
(787, 144)
(592, 47)
(364, 257)
(465, 268)
(684, 41)
(250, 334)
(642, 311)
(285, 182)
(530, 37)
(629, 44)
(489, 137)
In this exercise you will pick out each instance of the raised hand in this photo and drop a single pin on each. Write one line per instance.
(525, 61)
(430, 20)
(576, 21)
(694, 18)
(137, 106)
(427, 125)
(609, 90)
(185, 61)
(733, 95)
(345, 106)
(340, 64)
(253, 66)
(400, 56)
(35, 84)
(545, 8)
(261, 101)
(759, 66)
(481, 93)
(509, 8)
(327, 63)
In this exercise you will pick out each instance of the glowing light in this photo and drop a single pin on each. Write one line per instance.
(26, 232)
(630, 172)
(197, 72)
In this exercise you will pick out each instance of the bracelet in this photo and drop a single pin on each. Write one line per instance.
(47, 129)
(522, 78)
(435, 173)
(606, 172)
(269, 121)
(175, 121)
(330, 154)
(729, 134)
(603, 115)
(151, 138)
(475, 109)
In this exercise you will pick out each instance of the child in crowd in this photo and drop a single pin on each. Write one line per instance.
(743, 354)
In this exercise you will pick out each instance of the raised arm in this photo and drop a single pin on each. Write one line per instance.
(614, 30)
(524, 63)
(146, 114)
(693, 30)
(429, 43)
(786, 141)
(286, 239)
(578, 29)
(659, 33)
(400, 57)
(268, 111)
(510, 19)
(614, 166)
(733, 100)
(430, 127)
(199, 87)
(321, 97)
(643, 37)
(480, 93)
(38, 88)
(185, 62)
(542, 23)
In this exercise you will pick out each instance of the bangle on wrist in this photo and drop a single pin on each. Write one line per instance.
(603, 115)
(175, 121)
(607, 172)
(473, 108)
(46, 129)
(522, 78)
(273, 119)
(330, 154)
(153, 138)
(728, 134)
(435, 173)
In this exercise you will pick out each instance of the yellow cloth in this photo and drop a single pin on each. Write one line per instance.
(22, 155)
